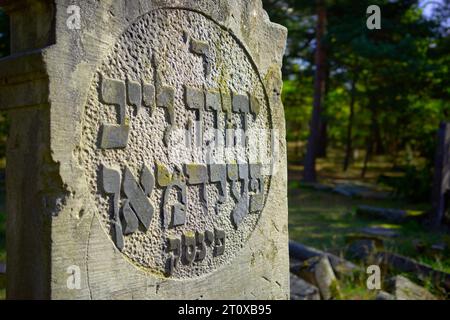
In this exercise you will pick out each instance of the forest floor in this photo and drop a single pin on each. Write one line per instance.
(325, 220)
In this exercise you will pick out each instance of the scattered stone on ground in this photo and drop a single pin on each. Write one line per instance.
(2, 268)
(405, 289)
(383, 295)
(318, 186)
(294, 264)
(340, 266)
(360, 191)
(350, 190)
(393, 215)
(379, 232)
(419, 245)
(438, 248)
(318, 271)
(302, 290)
(350, 238)
(362, 250)
(422, 271)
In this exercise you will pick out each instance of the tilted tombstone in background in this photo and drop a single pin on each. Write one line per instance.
(441, 180)
(146, 156)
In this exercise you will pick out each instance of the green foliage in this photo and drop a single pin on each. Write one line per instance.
(414, 185)
(401, 74)
(296, 97)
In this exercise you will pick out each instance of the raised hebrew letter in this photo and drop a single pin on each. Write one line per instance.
(197, 174)
(147, 181)
(165, 96)
(114, 136)
(174, 249)
(189, 248)
(214, 104)
(218, 174)
(111, 185)
(227, 106)
(134, 94)
(195, 100)
(219, 246)
(137, 197)
(209, 237)
(163, 176)
(149, 96)
(178, 215)
(241, 105)
(201, 246)
(233, 176)
(179, 211)
(129, 220)
(241, 209)
(165, 99)
(255, 106)
(202, 48)
(257, 187)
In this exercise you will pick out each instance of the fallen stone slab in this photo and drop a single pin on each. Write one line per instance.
(318, 186)
(379, 232)
(360, 191)
(392, 215)
(361, 250)
(438, 249)
(318, 271)
(422, 271)
(294, 264)
(352, 237)
(340, 266)
(302, 290)
(404, 289)
(383, 295)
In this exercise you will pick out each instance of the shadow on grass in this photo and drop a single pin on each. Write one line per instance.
(323, 220)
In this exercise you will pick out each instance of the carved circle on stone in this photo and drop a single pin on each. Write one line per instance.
(175, 188)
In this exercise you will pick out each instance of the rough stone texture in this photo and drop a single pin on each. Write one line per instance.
(383, 295)
(393, 261)
(59, 214)
(302, 290)
(361, 250)
(318, 271)
(404, 289)
(341, 267)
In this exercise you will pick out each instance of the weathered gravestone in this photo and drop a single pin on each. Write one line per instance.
(441, 179)
(146, 157)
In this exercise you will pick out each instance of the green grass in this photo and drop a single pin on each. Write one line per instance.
(322, 220)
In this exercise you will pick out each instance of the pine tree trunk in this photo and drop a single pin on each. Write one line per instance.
(349, 145)
(371, 140)
(319, 89)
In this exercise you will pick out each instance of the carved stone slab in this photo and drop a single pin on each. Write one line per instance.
(166, 153)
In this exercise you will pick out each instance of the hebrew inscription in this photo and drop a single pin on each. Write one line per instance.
(177, 145)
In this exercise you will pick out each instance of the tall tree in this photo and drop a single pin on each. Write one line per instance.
(319, 92)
